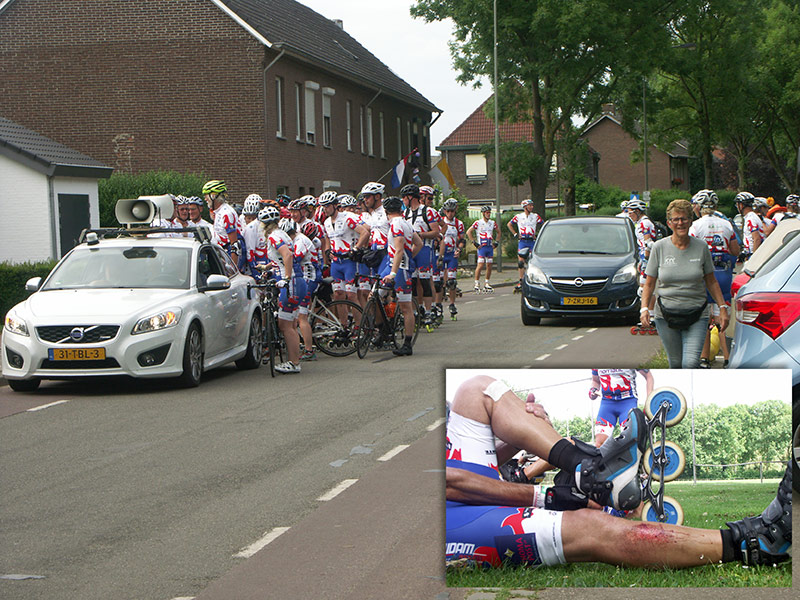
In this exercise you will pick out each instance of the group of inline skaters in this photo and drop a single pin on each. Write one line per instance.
(403, 240)
(727, 245)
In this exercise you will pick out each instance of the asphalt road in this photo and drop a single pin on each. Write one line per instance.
(123, 489)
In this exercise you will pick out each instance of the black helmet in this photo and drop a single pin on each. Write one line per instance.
(393, 204)
(412, 189)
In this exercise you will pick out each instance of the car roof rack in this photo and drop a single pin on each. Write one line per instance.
(201, 233)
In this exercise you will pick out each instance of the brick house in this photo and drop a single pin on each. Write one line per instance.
(610, 149)
(666, 169)
(266, 94)
(52, 187)
(473, 171)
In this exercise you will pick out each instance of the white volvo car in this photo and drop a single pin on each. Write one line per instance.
(134, 305)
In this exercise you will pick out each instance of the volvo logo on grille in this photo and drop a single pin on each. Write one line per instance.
(76, 334)
(578, 282)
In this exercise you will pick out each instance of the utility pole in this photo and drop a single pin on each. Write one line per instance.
(497, 152)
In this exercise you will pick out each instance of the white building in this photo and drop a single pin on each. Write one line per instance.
(48, 195)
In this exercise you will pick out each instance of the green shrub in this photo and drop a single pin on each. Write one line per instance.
(13, 278)
(125, 185)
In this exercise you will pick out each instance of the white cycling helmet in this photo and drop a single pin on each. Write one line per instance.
(326, 198)
(526, 202)
(287, 225)
(347, 201)
(373, 187)
(426, 189)
(702, 195)
(745, 198)
(269, 214)
(252, 204)
(636, 205)
(623, 205)
(760, 202)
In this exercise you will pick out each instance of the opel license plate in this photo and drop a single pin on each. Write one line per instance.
(579, 300)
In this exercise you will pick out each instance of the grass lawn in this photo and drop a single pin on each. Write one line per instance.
(707, 505)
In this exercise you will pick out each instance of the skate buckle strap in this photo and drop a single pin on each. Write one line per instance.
(587, 448)
(599, 491)
(751, 552)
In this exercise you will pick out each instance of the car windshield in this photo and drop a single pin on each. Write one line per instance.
(561, 238)
(122, 267)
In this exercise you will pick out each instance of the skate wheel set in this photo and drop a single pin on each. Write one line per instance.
(642, 330)
(664, 460)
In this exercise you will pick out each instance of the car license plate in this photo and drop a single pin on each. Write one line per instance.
(579, 300)
(77, 353)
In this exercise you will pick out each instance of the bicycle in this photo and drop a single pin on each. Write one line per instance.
(272, 341)
(381, 320)
(334, 323)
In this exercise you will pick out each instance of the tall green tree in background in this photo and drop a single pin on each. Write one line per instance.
(778, 76)
(701, 77)
(555, 59)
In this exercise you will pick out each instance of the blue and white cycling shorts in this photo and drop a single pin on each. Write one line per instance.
(485, 253)
(402, 283)
(492, 535)
(612, 412)
(525, 247)
(450, 264)
(423, 262)
(343, 271)
(290, 297)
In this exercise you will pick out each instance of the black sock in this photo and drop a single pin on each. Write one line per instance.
(729, 550)
(565, 455)
(408, 339)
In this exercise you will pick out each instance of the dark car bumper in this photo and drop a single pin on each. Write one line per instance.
(614, 299)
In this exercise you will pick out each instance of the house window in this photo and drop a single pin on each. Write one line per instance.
(381, 136)
(327, 94)
(311, 113)
(426, 156)
(370, 148)
(349, 122)
(298, 107)
(361, 128)
(475, 167)
(279, 105)
(282, 189)
(399, 140)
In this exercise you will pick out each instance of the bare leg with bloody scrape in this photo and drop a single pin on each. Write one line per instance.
(636, 544)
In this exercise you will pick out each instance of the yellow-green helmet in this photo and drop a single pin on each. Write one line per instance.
(215, 186)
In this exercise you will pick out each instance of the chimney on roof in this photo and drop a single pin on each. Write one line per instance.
(339, 23)
(610, 110)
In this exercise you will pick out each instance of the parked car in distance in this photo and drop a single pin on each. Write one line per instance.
(133, 305)
(783, 232)
(582, 266)
(768, 315)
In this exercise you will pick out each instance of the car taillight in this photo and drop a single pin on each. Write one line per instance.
(771, 312)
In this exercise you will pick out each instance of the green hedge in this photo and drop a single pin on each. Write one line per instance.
(124, 185)
(13, 278)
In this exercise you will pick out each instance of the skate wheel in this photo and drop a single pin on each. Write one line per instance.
(677, 404)
(633, 330)
(673, 512)
(676, 462)
(653, 331)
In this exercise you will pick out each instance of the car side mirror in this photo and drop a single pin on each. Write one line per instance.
(216, 282)
(33, 284)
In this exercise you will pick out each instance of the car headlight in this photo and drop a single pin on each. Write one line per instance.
(163, 320)
(16, 325)
(626, 274)
(535, 275)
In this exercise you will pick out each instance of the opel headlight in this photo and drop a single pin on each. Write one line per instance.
(535, 275)
(163, 320)
(14, 324)
(626, 274)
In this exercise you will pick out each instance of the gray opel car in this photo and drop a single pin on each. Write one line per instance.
(582, 266)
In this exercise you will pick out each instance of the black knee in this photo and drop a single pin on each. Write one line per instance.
(427, 290)
(437, 286)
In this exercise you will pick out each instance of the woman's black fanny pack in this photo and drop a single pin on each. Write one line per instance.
(681, 319)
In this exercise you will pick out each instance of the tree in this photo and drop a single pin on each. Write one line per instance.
(555, 59)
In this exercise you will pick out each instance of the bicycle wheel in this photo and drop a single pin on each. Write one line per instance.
(333, 335)
(367, 329)
(398, 325)
(270, 340)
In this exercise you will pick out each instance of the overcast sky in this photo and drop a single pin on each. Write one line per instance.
(414, 50)
(564, 392)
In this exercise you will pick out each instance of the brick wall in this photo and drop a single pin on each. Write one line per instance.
(614, 168)
(176, 85)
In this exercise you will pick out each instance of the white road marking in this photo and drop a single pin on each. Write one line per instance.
(43, 406)
(331, 494)
(470, 301)
(577, 337)
(258, 545)
(562, 346)
(393, 452)
(435, 424)
(591, 330)
(543, 356)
